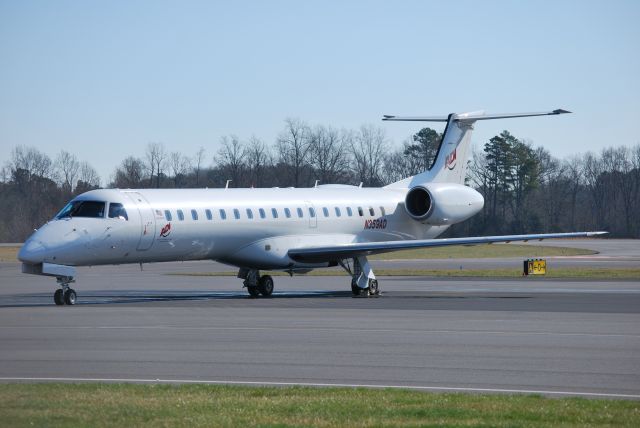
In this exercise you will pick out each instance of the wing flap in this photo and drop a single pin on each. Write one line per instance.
(346, 251)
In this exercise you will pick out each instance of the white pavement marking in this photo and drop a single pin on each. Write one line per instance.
(311, 384)
(329, 329)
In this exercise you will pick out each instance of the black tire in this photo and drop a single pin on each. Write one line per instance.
(373, 287)
(70, 297)
(265, 285)
(58, 297)
(253, 291)
(355, 290)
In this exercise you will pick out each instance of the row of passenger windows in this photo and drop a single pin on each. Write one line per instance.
(262, 213)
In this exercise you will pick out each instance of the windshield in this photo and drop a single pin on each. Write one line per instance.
(82, 209)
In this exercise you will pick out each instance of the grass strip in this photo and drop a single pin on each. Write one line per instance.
(98, 405)
(586, 273)
(483, 251)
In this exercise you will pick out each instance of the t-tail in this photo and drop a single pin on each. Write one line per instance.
(451, 162)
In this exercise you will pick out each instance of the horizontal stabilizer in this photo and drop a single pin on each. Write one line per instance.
(471, 116)
(346, 251)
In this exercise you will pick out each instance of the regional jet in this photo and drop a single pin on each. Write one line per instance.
(287, 229)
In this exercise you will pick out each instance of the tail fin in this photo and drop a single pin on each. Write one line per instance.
(451, 161)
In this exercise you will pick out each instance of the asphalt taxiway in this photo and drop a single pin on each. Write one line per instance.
(576, 337)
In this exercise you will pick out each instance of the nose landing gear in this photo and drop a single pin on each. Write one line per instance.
(65, 295)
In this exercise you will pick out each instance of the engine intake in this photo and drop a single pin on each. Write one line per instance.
(418, 203)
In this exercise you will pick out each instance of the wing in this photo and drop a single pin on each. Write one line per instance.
(346, 251)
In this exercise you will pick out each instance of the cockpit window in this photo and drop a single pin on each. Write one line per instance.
(117, 211)
(82, 209)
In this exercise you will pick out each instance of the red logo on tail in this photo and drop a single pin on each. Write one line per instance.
(450, 161)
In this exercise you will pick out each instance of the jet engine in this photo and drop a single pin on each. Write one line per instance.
(442, 204)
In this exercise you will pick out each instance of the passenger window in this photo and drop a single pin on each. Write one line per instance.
(223, 214)
(325, 211)
(194, 214)
(349, 212)
(167, 214)
(180, 215)
(337, 212)
(262, 213)
(117, 211)
(300, 213)
(372, 212)
(274, 212)
(382, 211)
(249, 213)
(360, 212)
(312, 212)
(208, 214)
(236, 213)
(287, 212)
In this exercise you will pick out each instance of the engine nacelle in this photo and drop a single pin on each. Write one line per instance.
(442, 204)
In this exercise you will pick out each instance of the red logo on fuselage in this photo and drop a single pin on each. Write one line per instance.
(166, 230)
(450, 161)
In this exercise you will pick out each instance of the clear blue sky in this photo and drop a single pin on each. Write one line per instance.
(102, 79)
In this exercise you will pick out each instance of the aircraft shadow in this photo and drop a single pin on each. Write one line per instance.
(143, 297)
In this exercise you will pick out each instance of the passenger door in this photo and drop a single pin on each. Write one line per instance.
(147, 220)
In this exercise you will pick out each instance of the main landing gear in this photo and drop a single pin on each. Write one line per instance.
(256, 285)
(363, 280)
(65, 295)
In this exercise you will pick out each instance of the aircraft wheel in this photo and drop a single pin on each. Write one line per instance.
(265, 285)
(373, 287)
(58, 297)
(355, 290)
(253, 291)
(70, 297)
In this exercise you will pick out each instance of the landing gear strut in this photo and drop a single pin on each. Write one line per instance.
(65, 295)
(256, 285)
(363, 280)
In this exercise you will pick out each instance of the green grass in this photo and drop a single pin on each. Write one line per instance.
(484, 251)
(99, 405)
(585, 272)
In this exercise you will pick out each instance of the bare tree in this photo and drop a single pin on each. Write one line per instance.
(197, 164)
(32, 162)
(293, 150)
(129, 174)
(156, 156)
(367, 154)
(328, 154)
(258, 159)
(179, 165)
(68, 167)
(88, 178)
(231, 159)
(574, 170)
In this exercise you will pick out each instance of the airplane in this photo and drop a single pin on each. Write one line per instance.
(287, 229)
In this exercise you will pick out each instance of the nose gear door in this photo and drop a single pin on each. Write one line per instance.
(147, 220)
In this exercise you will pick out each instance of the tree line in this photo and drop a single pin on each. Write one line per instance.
(525, 188)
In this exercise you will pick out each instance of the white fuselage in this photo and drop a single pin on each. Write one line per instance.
(228, 225)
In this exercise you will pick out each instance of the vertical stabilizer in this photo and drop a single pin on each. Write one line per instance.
(452, 158)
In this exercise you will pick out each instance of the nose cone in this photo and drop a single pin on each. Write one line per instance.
(56, 242)
(32, 252)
